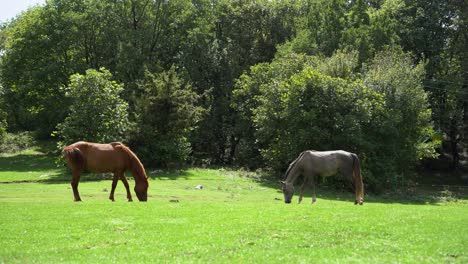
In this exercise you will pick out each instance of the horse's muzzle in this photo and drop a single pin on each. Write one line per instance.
(288, 202)
(142, 197)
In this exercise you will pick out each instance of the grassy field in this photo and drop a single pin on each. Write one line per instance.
(235, 218)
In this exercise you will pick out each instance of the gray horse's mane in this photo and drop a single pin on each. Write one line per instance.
(292, 165)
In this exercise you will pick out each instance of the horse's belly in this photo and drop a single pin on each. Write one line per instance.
(327, 173)
(324, 167)
(103, 165)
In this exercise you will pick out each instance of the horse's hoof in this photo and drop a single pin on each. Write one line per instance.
(130, 200)
(361, 203)
(355, 202)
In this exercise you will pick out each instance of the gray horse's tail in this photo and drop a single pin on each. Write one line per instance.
(357, 176)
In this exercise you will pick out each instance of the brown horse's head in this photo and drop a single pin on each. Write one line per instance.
(138, 171)
(141, 191)
(288, 191)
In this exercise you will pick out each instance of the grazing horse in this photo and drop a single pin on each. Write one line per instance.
(114, 157)
(312, 163)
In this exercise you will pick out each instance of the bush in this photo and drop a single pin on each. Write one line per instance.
(310, 110)
(97, 112)
(166, 113)
(3, 116)
(402, 134)
(13, 143)
(384, 118)
(3, 126)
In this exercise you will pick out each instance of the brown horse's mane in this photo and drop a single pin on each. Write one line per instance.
(135, 164)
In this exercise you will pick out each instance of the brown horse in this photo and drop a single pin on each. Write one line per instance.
(114, 157)
(312, 163)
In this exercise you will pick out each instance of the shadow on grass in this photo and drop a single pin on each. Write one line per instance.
(173, 174)
(65, 176)
(26, 162)
(421, 195)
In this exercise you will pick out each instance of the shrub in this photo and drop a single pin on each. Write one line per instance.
(3, 126)
(403, 133)
(384, 118)
(97, 112)
(17, 142)
(166, 113)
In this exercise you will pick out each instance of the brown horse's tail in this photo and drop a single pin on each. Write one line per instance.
(74, 156)
(357, 176)
(135, 164)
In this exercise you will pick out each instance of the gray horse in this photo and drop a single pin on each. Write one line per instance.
(312, 163)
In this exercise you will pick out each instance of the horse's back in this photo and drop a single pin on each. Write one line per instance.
(103, 157)
(327, 163)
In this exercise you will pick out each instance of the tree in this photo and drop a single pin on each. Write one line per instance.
(294, 106)
(403, 133)
(37, 61)
(447, 78)
(211, 43)
(3, 123)
(300, 102)
(247, 98)
(245, 33)
(167, 111)
(97, 113)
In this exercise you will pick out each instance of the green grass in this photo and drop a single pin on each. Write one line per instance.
(28, 165)
(236, 217)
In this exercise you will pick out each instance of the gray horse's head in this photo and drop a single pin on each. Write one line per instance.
(288, 191)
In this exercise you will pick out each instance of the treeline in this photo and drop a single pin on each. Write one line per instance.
(248, 83)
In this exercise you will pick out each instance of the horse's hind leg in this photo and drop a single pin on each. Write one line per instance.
(74, 184)
(114, 184)
(357, 190)
(360, 189)
(302, 189)
(127, 187)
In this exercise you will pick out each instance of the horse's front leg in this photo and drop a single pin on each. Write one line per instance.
(127, 187)
(74, 184)
(301, 194)
(114, 184)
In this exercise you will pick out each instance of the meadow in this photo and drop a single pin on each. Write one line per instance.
(237, 217)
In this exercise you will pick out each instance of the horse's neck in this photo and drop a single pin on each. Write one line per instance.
(293, 174)
(135, 166)
(138, 172)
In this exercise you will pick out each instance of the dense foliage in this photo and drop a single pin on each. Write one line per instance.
(3, 125)
(376, 77)
(97, 113)
(166, 112)
(384, 117)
